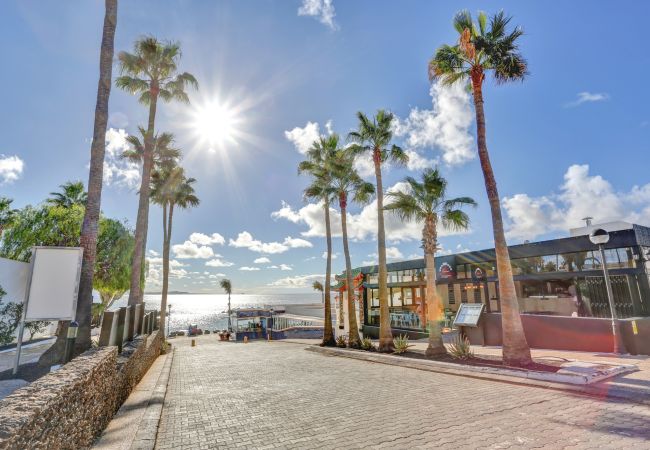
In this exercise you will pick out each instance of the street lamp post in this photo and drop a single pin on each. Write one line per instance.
(600, 237)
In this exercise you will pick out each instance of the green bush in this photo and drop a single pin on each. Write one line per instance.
(9, 319)
(367, 345)
(341, 341)
(460, 348)
(401, 343)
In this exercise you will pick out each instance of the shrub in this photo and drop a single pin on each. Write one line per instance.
(460, 348)
(341, 341)
(401, 343)
(367, 345)
(10, 315)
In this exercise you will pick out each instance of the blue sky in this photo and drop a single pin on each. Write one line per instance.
(572, 140)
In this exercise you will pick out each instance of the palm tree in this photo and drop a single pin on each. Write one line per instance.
(374, 137)
(72, 193)
(483, 48)
(346, 182)
(150, 72)
(318, 166)
(170, 188)
(318, 286)
(226, 285)
(427, 203)
(6, 213)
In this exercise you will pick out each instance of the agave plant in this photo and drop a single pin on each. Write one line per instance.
(401, 344)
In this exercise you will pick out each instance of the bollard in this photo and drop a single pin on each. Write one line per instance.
(70, 340)
(193, 342)
(245, 339)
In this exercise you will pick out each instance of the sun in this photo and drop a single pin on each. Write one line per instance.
(215, 124)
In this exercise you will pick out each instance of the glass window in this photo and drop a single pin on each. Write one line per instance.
(373, 278)
(477, 293)
(591, 261)
(408, 296)
(396, 296)
(450, 292)
(626, 257)
(463, 293)
(549, 263)
(374, 299)
(460, 271)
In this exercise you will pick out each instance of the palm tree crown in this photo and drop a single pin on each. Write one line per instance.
(151, 71)
(164, 152)
(375, 136)
(346, 180)
(481, 47)
(226, 285)
(427, 200)
(72, 193)
(317, 286)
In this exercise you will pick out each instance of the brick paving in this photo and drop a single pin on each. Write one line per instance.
(276, 395)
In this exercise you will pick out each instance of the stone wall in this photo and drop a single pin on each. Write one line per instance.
(69, 408)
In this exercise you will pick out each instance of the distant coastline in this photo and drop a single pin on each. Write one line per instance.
(171, 293)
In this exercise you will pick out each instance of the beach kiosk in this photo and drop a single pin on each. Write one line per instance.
(251, 323)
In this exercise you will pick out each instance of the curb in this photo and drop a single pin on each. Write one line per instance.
(599, 390)
(145, 438)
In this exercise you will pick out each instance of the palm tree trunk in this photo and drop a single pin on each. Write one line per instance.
(385, 333)
(430, 244)
(328, 332)
(166, 245)
(142, 222)
(353, 328)
(515, 347)
(90, 224)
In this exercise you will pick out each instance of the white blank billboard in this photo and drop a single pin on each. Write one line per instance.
(54, 283)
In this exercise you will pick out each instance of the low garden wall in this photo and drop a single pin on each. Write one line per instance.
(69, 408)
(569, 333)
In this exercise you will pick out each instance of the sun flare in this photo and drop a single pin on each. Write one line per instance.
(215, 124)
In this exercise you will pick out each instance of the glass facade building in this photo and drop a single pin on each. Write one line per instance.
(556, 277)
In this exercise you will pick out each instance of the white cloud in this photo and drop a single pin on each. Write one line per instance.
(262, 260)
(446, 127)
(334, 255)
(361, 226)
(587, 97)
(118, 171)
(417, 162)
(154, 253)
(189, 249)
(299, 281)
(216, 275)
(285, 267)
(118, 120)
(323, 10)
(391, 254)
(218, 262)
(11, 168)
(581, 195)
(364, 165)
(204, 239)
(303, 138)
(246, 240)
(249, 269)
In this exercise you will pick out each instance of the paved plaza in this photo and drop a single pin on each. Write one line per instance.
(277, 395)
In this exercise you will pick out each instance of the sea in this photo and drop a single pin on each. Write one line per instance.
(209, 311)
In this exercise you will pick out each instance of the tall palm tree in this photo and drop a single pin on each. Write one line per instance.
(318, 166)
(170, 188)
(226, 285)
(374, 137)
(482, 48)
(72, 193)
(427, 203)
(347, 183)
(150, 72)
(318, 286)
(165, 154)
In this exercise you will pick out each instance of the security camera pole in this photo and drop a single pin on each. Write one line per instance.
(600, 237)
